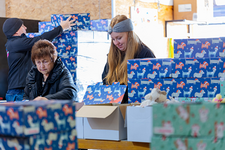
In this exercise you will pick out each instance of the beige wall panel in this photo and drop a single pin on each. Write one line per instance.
(105, 11)
(123, 7)
(42, 9)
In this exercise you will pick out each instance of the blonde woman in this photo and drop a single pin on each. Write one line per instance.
(125, 45)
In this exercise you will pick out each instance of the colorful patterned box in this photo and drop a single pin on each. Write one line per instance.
(82, 20)
(44, 26)
(100, 25)
(100, 94)
(53, 140)
(152, 68)
(149, 68)
(193, 119)
(189, 87)
(31, 35)
(28, 118)
(199, 48)
(186, 143)
(222, 87)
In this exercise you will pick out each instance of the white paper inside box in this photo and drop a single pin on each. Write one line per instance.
(104, 121)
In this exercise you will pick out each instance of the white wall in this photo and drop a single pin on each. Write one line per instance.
(2, 8)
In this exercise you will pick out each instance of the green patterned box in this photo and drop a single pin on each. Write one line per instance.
(222, 87)
(184, 143)
(189, 119)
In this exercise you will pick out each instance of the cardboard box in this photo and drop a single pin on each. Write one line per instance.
(198, 10)
(28, 118)
(139, 124)
(104, 121)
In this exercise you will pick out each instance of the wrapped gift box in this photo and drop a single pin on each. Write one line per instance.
(100, 25)
(32, 117)
(82, 20)
(44, 26)
(177, 143)
(101, 94)
(199, 48)
(52, 140)
(189, 119)
(177, 87)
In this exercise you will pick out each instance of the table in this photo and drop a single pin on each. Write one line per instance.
(112, 145)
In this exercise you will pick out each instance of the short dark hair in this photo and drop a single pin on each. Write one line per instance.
(43, 48)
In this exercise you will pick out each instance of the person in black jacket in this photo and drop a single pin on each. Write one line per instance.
(18, 49)
(49, 78)
(125, 44)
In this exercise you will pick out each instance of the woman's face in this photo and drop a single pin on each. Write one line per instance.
(44, 65)
(120, 40)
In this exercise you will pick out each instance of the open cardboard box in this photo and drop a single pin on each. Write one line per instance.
(104, 121)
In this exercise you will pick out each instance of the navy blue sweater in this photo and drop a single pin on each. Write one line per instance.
(19, 56)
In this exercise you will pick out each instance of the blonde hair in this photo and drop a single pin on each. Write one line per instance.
(117, 60)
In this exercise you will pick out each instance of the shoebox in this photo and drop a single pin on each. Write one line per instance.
(190, 99)
(67, 37)
(82, 20)
(102, 94)
(199, 48)
(31, 35)
(174, 87)
(139, 124)
(50, 141)
(189, 119)
(222, 87)
(28, 118)
(184, 143)
(44, 26)
(152, 68)
(104, 121)
(100, 25)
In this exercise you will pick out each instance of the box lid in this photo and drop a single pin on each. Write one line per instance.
(100, 94)
(91, 111)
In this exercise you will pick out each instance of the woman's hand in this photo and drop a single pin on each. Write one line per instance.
(39, 98)
(67, 24)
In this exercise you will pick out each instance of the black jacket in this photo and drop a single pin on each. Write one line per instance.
(59, 84)
(19, 56)
(144, 52)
